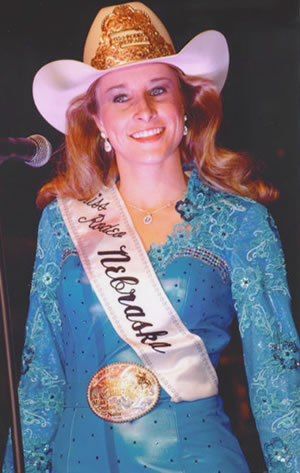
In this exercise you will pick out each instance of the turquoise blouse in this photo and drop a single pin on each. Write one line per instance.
(224, 259)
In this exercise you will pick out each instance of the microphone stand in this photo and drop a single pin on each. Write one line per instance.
(11, 365)
(35, 151)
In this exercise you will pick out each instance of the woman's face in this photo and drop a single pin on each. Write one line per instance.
(141, 112)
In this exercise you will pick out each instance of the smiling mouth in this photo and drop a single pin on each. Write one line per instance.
(144, 134)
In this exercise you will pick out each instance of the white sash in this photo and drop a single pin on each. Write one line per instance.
(123, 279)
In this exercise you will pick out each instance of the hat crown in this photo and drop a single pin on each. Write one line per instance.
(120, 37)
(124, 34)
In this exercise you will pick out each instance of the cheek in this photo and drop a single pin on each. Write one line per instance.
(113, 122)
(177, 117)
(176, 109)
(115, 129)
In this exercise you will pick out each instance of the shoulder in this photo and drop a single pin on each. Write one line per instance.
(52, 229)
(214, 203)
(51, 219)
(51, 213)
(253, 223)
(224, 221)
(246, 210)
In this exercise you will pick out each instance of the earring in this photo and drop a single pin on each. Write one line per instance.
(107, 145)
(185, 128)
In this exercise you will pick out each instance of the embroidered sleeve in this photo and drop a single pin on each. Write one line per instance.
(41, 387)
(270, 342)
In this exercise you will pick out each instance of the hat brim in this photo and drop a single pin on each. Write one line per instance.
(57, 83)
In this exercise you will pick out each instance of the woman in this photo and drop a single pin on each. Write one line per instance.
(136, 282)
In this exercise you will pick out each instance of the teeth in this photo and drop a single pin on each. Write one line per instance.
(146, 133)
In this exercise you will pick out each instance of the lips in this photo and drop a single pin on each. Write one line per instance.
(152, 133)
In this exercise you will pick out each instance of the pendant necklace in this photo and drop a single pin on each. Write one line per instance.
(149, 214)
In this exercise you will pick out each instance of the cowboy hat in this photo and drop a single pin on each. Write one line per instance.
(122, 36)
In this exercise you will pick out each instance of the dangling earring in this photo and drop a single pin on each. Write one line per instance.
(185, 128)
(107, 145)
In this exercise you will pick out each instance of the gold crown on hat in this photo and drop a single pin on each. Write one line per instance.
(128, 36)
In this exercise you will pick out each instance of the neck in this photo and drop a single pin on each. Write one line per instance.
(150, 186)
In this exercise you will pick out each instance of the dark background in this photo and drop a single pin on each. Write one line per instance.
(261, 109)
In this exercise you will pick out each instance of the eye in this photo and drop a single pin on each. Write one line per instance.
(121, 98)
(158, 91)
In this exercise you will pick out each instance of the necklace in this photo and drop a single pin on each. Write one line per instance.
(149, 214)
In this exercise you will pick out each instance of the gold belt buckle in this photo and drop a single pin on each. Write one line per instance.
(123, 391)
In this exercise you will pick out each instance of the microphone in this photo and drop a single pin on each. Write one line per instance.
(34, 150)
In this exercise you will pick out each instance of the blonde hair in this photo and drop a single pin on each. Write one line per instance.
(84, 165)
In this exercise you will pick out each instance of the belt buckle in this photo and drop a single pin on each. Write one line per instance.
(123, 391)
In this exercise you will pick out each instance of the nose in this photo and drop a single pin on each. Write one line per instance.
(145, 109)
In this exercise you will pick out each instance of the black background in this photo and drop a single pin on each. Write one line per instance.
(261, 116)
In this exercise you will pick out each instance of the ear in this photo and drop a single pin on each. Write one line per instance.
(99, 123)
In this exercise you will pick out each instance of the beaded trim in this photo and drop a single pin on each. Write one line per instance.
(66, 253)
(209, 258)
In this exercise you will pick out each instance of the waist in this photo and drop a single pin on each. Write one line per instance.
(76, 397)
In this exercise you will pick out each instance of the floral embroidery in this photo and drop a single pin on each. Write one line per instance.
(45, 278)
(253, 315)
(261, 244)
(28, 354)
(59, 231)
(222, 235)
(51, 309)
(40, 460)
(246, 282)
(187, 209)
(278, 456)
(52, 398)
(41, 390)
(287, 353)
(263, 399)
(209, 222)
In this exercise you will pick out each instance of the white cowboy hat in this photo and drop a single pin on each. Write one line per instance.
(122, 36)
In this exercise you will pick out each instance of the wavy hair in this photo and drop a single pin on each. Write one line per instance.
(83, 164)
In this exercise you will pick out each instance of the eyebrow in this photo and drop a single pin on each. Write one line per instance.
(122, 86)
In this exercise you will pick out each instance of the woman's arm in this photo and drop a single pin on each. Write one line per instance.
(270, 341)
(41, 387)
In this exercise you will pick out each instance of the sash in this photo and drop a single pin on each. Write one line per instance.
(119, 270)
